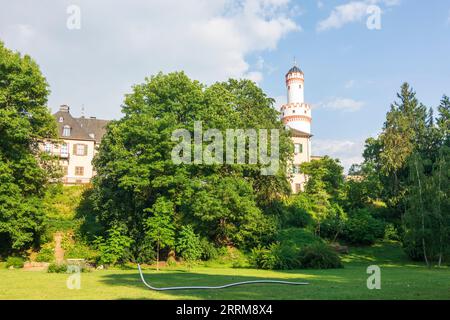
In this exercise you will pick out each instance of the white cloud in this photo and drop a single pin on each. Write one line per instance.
(341, 104)
(350, 12)
(347, 151)
(121, 42)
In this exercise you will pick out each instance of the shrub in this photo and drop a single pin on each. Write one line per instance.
(333, 222)
(391, 232)
(279, 256)
(319, 256)
(57, 268)
(15, 262)
(188, 244)
(46, 254)
(297, 213)
(361, 228)
(299, 237)
(209, 250)
(113, 249)
(171, 262)
(79, 250)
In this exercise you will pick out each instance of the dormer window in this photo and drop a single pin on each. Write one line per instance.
(61, 119)
(66, 131)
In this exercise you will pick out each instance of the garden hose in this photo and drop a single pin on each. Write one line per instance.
(219, 287)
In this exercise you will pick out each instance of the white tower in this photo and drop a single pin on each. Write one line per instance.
(296, 113)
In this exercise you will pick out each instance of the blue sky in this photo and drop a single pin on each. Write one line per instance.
(352, 73)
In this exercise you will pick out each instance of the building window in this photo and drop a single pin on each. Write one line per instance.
(295, 169)
(298, 148)
(298, 187)
(66, 131)
(80, 149)
(79, 171)
(300, 86)
(61, 119)
(64, 150)
(48, 147)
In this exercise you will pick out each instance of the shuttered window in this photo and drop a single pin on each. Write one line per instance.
(80, 149)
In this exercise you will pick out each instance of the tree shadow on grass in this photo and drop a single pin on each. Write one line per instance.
(250, 291)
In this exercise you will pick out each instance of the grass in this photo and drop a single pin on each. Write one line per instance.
(400, 279)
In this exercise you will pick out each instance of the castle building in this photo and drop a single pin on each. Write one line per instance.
(296, 115)
(77, 144)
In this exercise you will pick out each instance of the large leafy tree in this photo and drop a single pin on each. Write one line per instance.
(135, 168)
(24, 121)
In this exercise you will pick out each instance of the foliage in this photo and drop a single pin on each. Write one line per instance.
(297, 211)
(114, 248)
(24, 170)
(15, 262)
(362, 229)
(298, 237)
(224, 203)
(188, 244)
(409, 160)
(46, 254)
(209, 250)
(277, 256)
(160, 230)
(319, 256)
(57, 268)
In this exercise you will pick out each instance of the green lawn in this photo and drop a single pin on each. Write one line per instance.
(400, 279)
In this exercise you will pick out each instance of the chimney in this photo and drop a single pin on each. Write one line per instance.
(64, 108)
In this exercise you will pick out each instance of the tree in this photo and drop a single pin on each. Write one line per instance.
(160, 229)
(188, 244)
(24, 121)
(225, 203)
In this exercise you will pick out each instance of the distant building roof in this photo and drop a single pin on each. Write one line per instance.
(294, 69)
(96, 128)
(80, 128)
(298, 133)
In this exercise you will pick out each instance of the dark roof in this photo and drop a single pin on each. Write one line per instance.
(298, 133)
(294, 69)
(81, 128)
(96, 128)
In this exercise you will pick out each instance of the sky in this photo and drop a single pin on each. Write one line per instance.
(355, 54)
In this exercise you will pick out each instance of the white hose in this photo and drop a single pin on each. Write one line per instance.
(219, 287)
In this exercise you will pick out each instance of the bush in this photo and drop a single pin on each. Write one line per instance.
(188, 244)
(299, 237)
(46, 254)
(319, 256)
(209, 250)
(57, 268)
(278, 256)
(297, 211)
(113, 249)
(361, 228)
(15, 262)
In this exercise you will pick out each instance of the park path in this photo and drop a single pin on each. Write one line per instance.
(59, 251)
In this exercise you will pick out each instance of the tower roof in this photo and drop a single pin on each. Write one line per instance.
(294, 69)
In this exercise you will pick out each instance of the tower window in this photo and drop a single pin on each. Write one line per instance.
(300, 86)
(293, 111)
